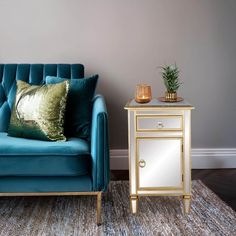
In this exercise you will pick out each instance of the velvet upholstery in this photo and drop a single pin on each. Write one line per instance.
(30, 73)
(99, 144)
(78, 165)
(12, 146)
(36, 165)
(79, 105)
(29, 157)
(46, 184)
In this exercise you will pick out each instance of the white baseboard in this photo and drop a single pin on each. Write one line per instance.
(202, 158)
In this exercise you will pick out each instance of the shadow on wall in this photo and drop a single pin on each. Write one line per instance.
(115, 94)
(118, 131)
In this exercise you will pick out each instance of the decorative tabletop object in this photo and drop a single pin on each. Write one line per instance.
(170, 76)
(143, 93)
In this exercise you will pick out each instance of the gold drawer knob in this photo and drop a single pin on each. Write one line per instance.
(160, 125)
(142, 163)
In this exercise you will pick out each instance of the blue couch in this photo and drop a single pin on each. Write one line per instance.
(41, 168)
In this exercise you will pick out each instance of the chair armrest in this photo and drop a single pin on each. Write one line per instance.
(99, 145)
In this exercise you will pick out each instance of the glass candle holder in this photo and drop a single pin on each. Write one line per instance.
(143, 93)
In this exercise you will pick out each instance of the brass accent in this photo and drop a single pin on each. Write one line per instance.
(138, 188)
(136, 153)
(158, 129)
(154, 107)
(190, 148)
(142, 163)
(190, 159)
(161, 188)
(134, 203)
(187, 196)
(187, 203)
(171, 96)
(133, 197)
(129, 157)
(183, 153)
(160, 194)
(25, 194)
(99, 205)
(174, 192)
(163, 99)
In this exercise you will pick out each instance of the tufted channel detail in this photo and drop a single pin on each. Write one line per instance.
(32, 73)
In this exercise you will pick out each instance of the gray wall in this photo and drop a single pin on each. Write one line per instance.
(124, 41)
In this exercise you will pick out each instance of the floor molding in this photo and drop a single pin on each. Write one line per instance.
(202, 158)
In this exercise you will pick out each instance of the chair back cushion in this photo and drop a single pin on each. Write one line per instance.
(79, 105)
(31, 73)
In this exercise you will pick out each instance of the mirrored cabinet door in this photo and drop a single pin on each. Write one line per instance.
(159, 163)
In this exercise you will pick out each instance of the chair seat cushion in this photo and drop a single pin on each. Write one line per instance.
(26, 157)
(27, 147)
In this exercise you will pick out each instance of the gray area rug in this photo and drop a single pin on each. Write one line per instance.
(77, 216)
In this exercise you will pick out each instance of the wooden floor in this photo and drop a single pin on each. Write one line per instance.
(222, 182)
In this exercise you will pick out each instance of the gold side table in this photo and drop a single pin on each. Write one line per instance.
(159, 150)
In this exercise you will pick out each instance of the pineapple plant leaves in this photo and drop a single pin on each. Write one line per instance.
(170, 76)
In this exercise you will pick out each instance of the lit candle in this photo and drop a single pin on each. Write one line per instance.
(143, 93)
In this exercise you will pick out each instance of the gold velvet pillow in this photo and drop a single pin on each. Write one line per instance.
(38, 112)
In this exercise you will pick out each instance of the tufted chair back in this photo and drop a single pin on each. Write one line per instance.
(33, 74)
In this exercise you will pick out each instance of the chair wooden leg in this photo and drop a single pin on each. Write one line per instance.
(99, 206)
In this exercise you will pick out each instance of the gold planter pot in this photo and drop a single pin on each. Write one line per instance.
(171, 97)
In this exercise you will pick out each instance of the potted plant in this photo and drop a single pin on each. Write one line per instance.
(170, 76)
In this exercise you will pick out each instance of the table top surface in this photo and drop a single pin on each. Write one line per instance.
(155, 103)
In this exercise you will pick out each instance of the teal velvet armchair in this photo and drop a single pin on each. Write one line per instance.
(41, 168)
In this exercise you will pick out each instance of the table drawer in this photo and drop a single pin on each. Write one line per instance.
(159, 123)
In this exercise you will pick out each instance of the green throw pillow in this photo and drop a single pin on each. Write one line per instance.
(79, 105)
(38, 112)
